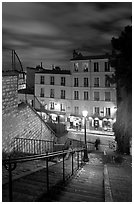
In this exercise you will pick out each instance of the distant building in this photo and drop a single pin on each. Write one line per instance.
(85, 86)
(11, 63)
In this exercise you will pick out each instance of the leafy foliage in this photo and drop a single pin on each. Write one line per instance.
(122, 62)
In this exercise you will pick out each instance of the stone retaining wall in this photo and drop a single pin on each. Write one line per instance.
(19, 121)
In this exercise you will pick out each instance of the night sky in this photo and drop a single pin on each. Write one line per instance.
(49, 32)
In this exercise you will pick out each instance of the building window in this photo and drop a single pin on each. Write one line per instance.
(76, 82)
(96, 82)
(85, 82)
(76, 95)
(96, 110)
(52, 80)
(85, 95)
(51, 105)
(96, 67)
(76, 67)
(107, 82)
(63, 81)
(42, 92)
(85, 67)
(62, 107)
(107, 67)
(107, 96)
(96, 96)
(76, 110)
(62, 94)
(51, 93)
(108, 113)
(42, 79)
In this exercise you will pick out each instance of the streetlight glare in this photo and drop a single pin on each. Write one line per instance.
(84, 113)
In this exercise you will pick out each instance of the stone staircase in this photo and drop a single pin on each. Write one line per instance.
(85, 185)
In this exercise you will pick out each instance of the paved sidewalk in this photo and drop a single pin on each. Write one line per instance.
(98, 132)
(120, 177)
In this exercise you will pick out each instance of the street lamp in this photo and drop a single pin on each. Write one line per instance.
(84, 113)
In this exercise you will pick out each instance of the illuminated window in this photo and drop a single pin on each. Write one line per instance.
(85, 67)
(76, 67)
(62, 107)
(51, 105)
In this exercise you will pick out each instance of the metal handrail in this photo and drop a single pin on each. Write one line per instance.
(10, 164)
(36, 157)
(33, 139)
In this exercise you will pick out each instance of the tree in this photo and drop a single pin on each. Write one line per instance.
(122, 62)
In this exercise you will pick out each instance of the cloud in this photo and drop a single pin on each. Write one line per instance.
(50, 31)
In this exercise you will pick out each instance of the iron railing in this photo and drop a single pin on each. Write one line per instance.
(11, 164)
(32, 146)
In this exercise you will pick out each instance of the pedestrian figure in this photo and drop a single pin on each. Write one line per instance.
(97, 142)
(80, 125)
(76, 126)
(69, 149)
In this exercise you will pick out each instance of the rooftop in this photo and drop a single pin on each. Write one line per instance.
(81, 57)
(54, 71)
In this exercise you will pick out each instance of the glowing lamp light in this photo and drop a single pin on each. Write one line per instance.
(84, 113)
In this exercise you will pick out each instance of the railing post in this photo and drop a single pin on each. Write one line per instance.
(63, 167)
(47, 173)
(10, 181)
(15, 146)
(29, 146)
(78, 159)
(40, 146)
(81, 157)
(34, 146)
(72, 164)
(24, 145)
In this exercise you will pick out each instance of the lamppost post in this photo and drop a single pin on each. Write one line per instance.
(86, 159)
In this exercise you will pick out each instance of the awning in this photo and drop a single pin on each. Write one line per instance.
(51, 112)
(76, 115)
(96, 118)
(104, 119)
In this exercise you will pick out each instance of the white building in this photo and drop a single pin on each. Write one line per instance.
(66, 93)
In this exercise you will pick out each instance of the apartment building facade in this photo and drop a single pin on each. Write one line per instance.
(85, 86)
(53, 89)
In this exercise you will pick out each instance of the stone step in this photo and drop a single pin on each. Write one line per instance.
(85, 185)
